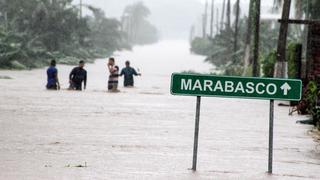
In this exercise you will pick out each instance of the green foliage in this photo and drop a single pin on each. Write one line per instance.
(309, 102)
(303, 7)
(292, 64)
(33, 31)
(233, 70)
(201, 46)
(268, 64)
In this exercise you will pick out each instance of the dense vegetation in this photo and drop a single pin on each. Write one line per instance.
(33, 32)
(231, 48)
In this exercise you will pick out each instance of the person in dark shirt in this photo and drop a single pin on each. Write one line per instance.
(128, 73)
(78, 76)
(52, 74)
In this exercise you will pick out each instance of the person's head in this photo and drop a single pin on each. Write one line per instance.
(111, 61)
(127, 63)
(53, 63)
(81, 64)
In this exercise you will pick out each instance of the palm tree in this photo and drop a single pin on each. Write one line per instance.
(205, 20)
(255, 65)
(247, 50)
(236, 29)
(222, 15)
(212, 19)
(229, 14)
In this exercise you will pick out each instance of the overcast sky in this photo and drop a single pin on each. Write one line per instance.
(172, 17)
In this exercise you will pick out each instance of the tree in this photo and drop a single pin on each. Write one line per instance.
(281, 65)
(247, 55)
(212, 19)
(205, 20)
(222, 25)
(140, 30)
(35, 31)
(229, 14)
(236, 31)
(255, 64)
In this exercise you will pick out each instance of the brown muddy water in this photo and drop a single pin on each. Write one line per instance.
(142, 133)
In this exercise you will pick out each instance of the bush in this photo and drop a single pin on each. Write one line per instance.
(17, 65)
(292, 64)
(201, 46)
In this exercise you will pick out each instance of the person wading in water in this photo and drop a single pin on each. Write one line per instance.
(77, 76)
(52, 74)
(128, 73)
(114, 76)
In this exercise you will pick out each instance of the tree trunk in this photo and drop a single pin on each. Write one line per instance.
(205, 21)
(236, 29)
(247, 49)
(212, 19)
(192, 32)
(229, 14)
(222, 15)
(255, 65)
(80, 9)
(217, 20)
(281, 66)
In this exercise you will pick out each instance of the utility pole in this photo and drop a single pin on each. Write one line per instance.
(212, 19)
(281, 67)
(255, 64)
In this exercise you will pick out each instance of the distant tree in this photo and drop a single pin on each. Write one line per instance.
(205, 20)
(228, 24)
(248, 35)
(256, 48)
(140, 30)
(236, 29)
(212, 19)
(222, 25)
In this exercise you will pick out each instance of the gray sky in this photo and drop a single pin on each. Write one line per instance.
(172, 17)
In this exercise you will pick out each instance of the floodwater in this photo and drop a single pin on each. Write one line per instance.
(143, 133)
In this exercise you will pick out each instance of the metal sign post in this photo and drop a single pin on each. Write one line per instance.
(271, 119)
(196, 135)
(235, 87)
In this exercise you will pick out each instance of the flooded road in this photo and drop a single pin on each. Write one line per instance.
(142, 133)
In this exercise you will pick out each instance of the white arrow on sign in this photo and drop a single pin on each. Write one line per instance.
(286, 88)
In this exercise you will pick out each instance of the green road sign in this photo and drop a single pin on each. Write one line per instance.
(238, 87)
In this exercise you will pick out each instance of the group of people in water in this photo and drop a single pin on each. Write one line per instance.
(78, 76)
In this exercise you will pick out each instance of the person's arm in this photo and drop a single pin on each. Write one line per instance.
(85, 80)
(110, 67)
(122, 72)
(71, 75)
(57, 80)
(135, 73)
